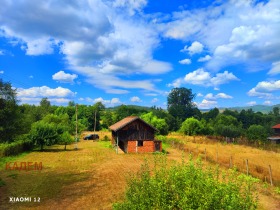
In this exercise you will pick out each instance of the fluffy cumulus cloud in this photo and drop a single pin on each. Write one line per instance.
(1, 72)
(205, 58)
(63, 77)
(185, 61)
(196, 47)
(135, 99)
(204, 78)
(211, 96)
(232, 31)
(96, 35)
(206, 104)
(107, 102)
(266, 89)
(35, 94)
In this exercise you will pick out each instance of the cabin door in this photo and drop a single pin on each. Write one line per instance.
(157, 146)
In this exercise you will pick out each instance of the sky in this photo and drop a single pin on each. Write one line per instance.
(136, 51)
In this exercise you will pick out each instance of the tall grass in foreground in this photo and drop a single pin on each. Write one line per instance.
(188, 186)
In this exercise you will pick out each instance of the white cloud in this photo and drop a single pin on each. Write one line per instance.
(31, 77)
(275, 68)
(63, 77)
(210, 96)
(199, 95)
(36, 100)
(204, 78)
(96, 35)
(267, 102)
(196, 47)
(253, 92)
(44, 91)
(1, 72)
(111, 102)
(205, 58)
(135, 99)
(252, 103)
(154, 100)
(223, 95)
(206, 104)
(268, 86)
(250, 32)
(1, 52)
(197, 77)
(131, 5)
(185, 61)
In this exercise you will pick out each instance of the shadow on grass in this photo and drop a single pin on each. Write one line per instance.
(48, 186)
(56, 150)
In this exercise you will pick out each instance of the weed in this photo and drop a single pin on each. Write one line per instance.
(2, 183)
(187, 186)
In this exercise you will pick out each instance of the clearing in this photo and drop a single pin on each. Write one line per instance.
(92, 177)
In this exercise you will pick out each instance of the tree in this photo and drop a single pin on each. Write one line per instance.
(43, 134)
(45, 107)
(256, 133)
(9, 113)
(180, 103)
(191, 126)
(65, 139)
(159, 124)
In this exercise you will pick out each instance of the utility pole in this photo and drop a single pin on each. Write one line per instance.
(94, 121)
(76, 145)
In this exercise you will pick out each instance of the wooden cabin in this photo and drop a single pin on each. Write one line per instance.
(134, 135)
(275, 139)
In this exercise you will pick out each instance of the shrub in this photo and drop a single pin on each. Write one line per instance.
(15, 147)
(187, 186)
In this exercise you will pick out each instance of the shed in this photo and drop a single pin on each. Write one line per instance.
(275, 139)
(134, 135)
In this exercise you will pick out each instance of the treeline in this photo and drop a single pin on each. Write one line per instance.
(24, 126)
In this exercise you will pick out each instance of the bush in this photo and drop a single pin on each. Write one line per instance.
(106, 138)
(187, 186)
(15, 147)
(256, 132)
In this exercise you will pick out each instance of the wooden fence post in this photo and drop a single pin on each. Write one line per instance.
(270, 175)
(230, 162)
(247, 167)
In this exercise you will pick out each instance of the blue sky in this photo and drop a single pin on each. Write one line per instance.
(136, 51)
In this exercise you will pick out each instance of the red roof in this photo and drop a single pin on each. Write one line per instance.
(276, 126)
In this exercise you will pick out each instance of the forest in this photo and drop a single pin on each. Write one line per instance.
(24, 126)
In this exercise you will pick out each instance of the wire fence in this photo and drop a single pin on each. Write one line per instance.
(246, 166)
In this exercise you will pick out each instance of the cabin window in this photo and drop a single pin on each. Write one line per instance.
(140, 143)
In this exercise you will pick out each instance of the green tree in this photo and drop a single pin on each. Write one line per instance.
(191, 126)
(45, 106)
(10, 118)
(180, 103)
(43, 134)
(256, 133)
(159, 124)
(66, 139)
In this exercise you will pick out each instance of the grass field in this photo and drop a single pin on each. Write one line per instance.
(92, 177)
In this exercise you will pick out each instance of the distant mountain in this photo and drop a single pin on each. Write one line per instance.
(256, 108)
(131, 106)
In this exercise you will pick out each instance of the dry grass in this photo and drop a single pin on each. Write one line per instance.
(224, 154)
(92, 177)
